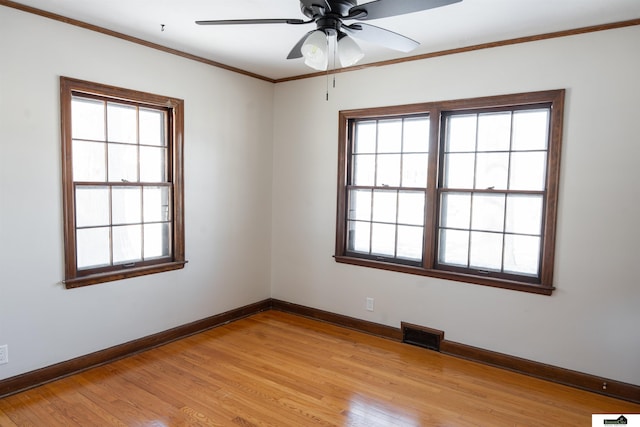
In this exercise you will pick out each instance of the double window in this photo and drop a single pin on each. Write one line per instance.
(463, 190)
(122, 182)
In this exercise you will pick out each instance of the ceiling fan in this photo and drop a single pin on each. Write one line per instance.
(329, 17)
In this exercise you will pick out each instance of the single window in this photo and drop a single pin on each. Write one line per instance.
(464, 190)
(388, 170)
(122, 182)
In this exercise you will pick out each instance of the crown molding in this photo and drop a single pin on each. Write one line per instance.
(518, 40)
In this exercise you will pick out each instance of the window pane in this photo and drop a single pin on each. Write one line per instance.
(492, 170)
(530, 130)
(411, 208)
(414, 170)
(156, 204)
(528, 171)
(494, 131)
(123, 163)
(488, 212)
(360, 205)
(521, 254)
(416, 135)
(364, 166)
(152, 127)
(127, 243)
(157, 240)
(454, 247)
(389, 136)
(486, 251)
(459, 170)
(152, 164)
(383, 238)
(87, 119)
(455, 210)
(126, 208)
(461, 133)
(93, 247)
(365, 137)
(89, 161)
(92, 206)
(359, 236)
(384, 206)
(524, 214)
(409, 243)
(121, 123)
(388, 170)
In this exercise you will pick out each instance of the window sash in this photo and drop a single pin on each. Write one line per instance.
(144, 218)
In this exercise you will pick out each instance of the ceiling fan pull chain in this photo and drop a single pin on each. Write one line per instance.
(331, 46)
(335, 49)
(327, 80)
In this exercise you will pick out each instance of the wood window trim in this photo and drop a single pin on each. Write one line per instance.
(554, 97)
(69, 87)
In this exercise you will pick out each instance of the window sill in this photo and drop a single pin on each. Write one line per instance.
(447, 275)
(94, 279)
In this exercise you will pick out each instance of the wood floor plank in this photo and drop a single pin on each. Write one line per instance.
(5, 421)
(278, 369)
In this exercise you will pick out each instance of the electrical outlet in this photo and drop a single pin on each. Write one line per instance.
(369, 304)
(4, 354)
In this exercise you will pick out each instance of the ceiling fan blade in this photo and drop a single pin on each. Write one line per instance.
(296, 52)
(386, 8)
(252, 21)
(380, 36)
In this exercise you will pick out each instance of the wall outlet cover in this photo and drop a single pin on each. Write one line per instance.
(369, 304)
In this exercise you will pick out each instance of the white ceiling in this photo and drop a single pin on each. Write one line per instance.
(262, 49)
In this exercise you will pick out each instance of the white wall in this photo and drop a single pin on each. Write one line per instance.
(592, 321)
(228, 148)
(251, 223)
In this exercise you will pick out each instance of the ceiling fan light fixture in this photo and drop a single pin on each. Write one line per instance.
(348, 51)
(316, 50)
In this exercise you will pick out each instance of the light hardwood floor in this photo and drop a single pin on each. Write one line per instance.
(277, 369)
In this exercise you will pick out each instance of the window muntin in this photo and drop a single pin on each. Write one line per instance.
(122, 176)
(483, 185)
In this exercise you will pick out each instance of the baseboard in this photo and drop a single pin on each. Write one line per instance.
(592, 383)
(612, 388)
(588, 382)
(63, 369)
(339, 320)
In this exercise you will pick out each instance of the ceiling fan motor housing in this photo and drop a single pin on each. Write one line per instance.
(329, 24)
